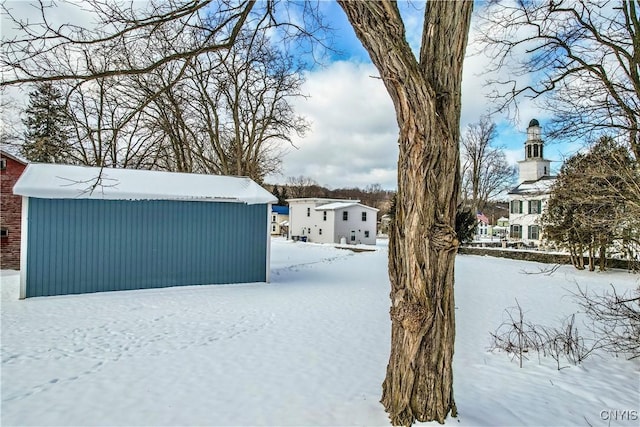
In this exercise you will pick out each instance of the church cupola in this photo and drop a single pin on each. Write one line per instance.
(534, 166)
(533, 145)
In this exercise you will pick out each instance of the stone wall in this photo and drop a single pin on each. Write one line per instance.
(538, 256)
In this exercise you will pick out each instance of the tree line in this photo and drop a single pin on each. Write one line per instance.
(302, 187)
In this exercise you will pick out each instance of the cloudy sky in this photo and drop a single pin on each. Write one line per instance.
(353, 137)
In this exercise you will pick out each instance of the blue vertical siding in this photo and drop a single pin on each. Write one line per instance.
(82, 245)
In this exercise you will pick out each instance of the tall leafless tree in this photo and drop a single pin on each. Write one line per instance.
(244, 101)
(229, 114)
(581, 60)
(106, 127)
(485, 170)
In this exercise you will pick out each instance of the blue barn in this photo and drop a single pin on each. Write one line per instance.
(88, 229)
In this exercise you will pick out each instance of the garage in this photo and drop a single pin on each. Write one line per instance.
(88, 229)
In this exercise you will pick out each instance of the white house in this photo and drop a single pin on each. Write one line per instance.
(528, 200)
(332, 221)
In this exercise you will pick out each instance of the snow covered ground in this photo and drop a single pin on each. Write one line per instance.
(308, 349)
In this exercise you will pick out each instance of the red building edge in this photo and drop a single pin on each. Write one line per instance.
(11, 168)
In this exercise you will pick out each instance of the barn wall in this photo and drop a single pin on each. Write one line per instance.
(78, 246)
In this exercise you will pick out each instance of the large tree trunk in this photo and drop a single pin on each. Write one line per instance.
(422, 247)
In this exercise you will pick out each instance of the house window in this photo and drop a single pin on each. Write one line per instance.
(535, 206)
(535, 151)
(516, 232)
(4, 232)
(273, 218)
(516, 206)
(528, 151)
(345, 216)
(366, 233)
(273, 228)
(308, 211)
(324, 215)
(534, 232)
(320, 231)
(3, 164)
(364, 216)
(308, 230)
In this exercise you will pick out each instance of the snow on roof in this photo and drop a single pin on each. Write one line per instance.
(540, 186)
(320, 200)
(341, 205)
(335, 205)
(49, 181)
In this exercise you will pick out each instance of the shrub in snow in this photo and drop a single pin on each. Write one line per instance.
(612, 318)
(615, 318)
(518, 338)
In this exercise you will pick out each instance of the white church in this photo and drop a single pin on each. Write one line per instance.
(528, 200)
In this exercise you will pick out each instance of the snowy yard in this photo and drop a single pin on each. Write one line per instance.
(308, 349)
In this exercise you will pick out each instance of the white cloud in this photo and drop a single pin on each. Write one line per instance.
(353, 136)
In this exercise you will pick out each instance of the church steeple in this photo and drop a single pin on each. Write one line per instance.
(534, 166)
(534, 143)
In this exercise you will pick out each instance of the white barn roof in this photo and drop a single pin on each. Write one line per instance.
(49, 181)
(335, 205)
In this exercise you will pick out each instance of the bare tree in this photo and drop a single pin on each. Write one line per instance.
(244, 100)
(583, 59)
(300, 187)
(426, 94)
(615, 318)
(42, 49)
(230, 113)
(106, 127)
(485, 171)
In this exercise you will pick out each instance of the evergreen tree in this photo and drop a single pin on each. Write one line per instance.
(283, 196)
(466, 222)
(277, 195)
(47, 123)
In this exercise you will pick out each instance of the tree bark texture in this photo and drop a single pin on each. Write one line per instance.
(426, 94)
